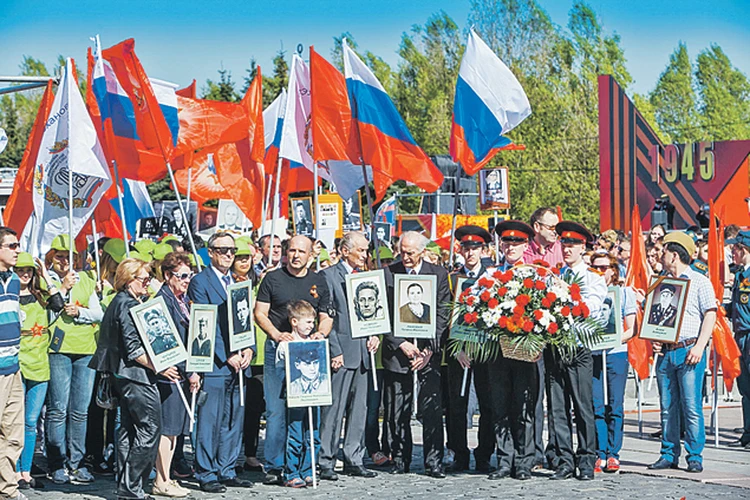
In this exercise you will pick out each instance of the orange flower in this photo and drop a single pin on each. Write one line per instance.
(502, 322)
(528, 325)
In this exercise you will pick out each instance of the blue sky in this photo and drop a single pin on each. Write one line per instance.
(187, 39)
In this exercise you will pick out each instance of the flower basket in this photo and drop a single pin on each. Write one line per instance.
(517, 351)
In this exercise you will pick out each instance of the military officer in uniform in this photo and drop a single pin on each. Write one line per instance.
(664, 313)
(514, 399)
(473, 241)
(571, 381)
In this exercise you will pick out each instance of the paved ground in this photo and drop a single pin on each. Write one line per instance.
(726, 475)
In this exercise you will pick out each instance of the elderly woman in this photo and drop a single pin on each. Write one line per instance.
(121, 353)
(175, 420)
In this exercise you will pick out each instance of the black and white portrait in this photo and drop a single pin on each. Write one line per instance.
(239, 304)
(493, 189)
(159, 334)
(414, 299)
(664, 309)
(230, 217)
(611, 319)
(308, 381)
(208, 218)
(368, 306)
(302, 216)
(381, 230)
(171, 220)
(353, 213)
(148, 227)
(201, 337)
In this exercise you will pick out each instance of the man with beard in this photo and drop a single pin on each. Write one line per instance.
(350, 361)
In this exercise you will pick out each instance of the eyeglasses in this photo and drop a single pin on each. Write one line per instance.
(183, 276)
(12, 246)
(144, 280)
(548, 227)
(601, 268)
(225, 250)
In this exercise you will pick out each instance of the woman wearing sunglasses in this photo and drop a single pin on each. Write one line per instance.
(36, 300)
(121, 353)
(608, 416)
(175, 421)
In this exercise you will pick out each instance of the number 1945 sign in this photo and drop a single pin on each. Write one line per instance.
(691, 162)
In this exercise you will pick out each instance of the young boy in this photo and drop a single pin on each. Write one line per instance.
(298, 462)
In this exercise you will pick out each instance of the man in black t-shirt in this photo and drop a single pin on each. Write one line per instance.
(279, 287)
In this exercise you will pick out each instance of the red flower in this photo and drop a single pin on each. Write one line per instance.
(540, 285)
(540, 262)
(577, 311)
(502, 291)
(541, 272)
(555, 271)
(575, 292)
(506, 277)
(485, 296)
(528, 325)
(470, 300)
(471, 318)
(565, 311)
(551, 297)
(519, 310)
(546, 303)
(528, 283)
(498, 275)
(492, 303)
(552, 328)
(502, 322)
(585, 310)
(523, 299)
(538, 314)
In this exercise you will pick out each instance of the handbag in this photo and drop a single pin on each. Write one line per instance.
(105, 398)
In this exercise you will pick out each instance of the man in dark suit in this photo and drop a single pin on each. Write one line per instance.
(350, 360)
(473, 240)
(219, 435)
(401, 357)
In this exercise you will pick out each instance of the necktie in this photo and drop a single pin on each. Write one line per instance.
(225, 279)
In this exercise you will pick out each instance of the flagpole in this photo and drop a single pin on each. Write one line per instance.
(455, 212)
(187, 201)
(96, 249)
(70, 217)
(122, 208)
(185, 218)
(276, 210)
(317, 211)
(266, 201)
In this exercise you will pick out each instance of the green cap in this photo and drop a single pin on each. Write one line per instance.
(434, 248)
(145, 257)
(61, 242)
(161, 251)
(145, 245)
(170, 237)
(25, 260)
(385, 253)
(115, 248)
(246, 239)
(242, 247)
(324, 255)
(191, 257)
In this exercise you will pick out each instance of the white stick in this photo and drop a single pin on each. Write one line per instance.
(275, 211)
(653, 371)
(118, 184)
(640, 404)
(185, 402)
(70, 218)
(374, 371)
(242, 383)
(96, 250)
(415, 388)
(312, 447)
(192, 410)
(604, 377)
(716, 398)
(463, 382)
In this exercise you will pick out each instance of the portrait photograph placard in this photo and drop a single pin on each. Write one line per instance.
(308, 377)
(240, 306)
(159, 334)
(201, 337)
(381, 230)
(230, 218)
(664, 308)
(414, 305)
(460, 330)
(368, 304)
(612, 321)
(352, 217)
(303, 217)
(494, 192)
(331, 213)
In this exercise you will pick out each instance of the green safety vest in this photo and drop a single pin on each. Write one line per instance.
(79, 338)
(35, 339)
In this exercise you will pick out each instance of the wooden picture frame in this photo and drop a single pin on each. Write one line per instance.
(306, 228)
(494, 189)
(662, 317)
(352, 213)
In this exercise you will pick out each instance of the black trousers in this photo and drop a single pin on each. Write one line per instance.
(138, 435)
(255, 405)
(571, 383)
(398, 400)
(514, 390)
(456, 424)
(100, 429)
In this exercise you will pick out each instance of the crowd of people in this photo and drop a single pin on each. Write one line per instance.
(74, 368)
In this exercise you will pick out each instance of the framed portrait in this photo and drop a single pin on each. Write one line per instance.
(664, 308)
(159, 334)
(170, 218)
(368, 307)
(414, 298)
(612, 321)
(303, 221)
(308, 373)
(230, 218)
(352, 213)
(201, 337)
(383, 232)
(240, 306)
(459, 330)
(208, 218)
(418, 223)
(494, 192)
(331, 213)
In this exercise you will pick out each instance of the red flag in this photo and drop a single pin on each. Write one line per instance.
(242, 177)
(204, 184)
(205, 123)
(727, 351)
(253, 104)
(188, 91)
(152, 127)
(20, 204)
(638, 277)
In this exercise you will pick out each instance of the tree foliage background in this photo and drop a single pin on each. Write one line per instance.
(700, 98)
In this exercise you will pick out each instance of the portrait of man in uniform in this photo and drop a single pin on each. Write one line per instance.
(201, 343)
(241, 310)
(160, 335)
(664, 310)
(301, 211)
(308, 373)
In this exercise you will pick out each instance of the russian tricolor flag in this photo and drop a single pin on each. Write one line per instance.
(489, 103)
(386, 142)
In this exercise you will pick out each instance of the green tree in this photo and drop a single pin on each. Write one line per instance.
(223, 90)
